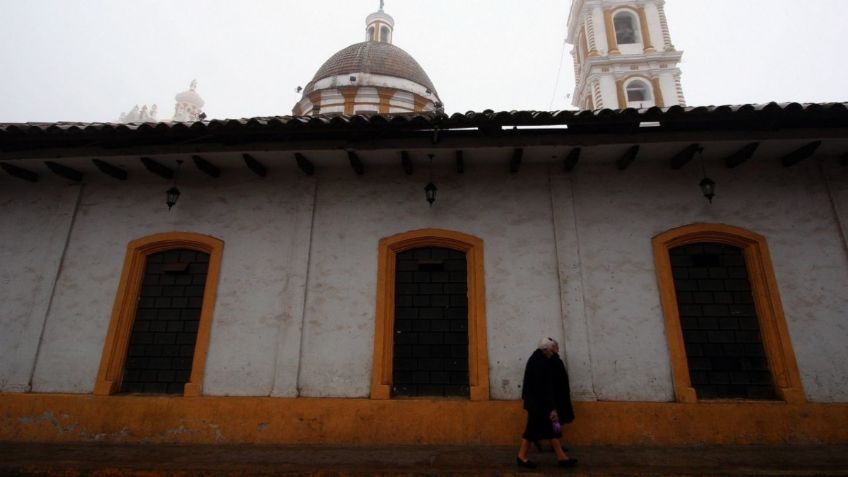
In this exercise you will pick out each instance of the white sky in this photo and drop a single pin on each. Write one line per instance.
(90, 60)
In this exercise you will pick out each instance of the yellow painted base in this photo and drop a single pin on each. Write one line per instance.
(239, 420)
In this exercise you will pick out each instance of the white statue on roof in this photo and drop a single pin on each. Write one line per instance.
(144, 114)
(189, 107)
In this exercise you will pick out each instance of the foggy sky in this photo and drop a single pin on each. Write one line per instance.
(90, 60)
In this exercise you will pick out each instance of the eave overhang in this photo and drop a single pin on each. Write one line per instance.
(428, 131)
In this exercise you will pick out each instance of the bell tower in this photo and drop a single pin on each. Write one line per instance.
(623, 55)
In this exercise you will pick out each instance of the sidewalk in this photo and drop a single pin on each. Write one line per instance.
(71, 460)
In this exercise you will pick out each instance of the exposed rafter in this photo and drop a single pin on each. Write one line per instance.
(683, 157)
(19, 172)
(110, 170)
(356, 163)
(406, 162)
(157, 168)
(206, 167)
(742, 155)
(570, 161)
(255, 166)
(460, 162)
(515, 162)
(64, 171)
(304, 164)
(627, 158)
(800, 154)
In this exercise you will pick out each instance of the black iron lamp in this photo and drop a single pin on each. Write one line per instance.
(430, 189)
(173, 194)
(708, 188)
(707, 185)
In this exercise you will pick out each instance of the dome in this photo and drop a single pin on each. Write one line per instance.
(373, 57)
(372, 77)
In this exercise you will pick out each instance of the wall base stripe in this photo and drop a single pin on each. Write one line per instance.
(263, 420)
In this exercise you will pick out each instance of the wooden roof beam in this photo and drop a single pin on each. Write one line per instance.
(255, 166)
(406, 161)
(742, 155)
(206, 167)
(800, 154)
(110, 170)
(157, 168)
(685, 156)
(460, 162)
(62, 170)
(356, 163)
(570, 161)
(515, 162)
(627, 158)
(19, 172)
(304, 164)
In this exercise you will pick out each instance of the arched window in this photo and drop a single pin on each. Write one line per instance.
(370, 35)
(159, 332)
(384, 34)
(626, 28)
(638, 92)
(430, 334)
(726, 332)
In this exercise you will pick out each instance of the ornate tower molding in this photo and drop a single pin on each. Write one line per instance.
(623, 55)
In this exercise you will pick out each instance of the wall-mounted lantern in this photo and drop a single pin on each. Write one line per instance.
(707, 185)
(172, 195)
(430, 189)
(708, 188)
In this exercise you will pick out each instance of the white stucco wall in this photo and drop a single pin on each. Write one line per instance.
(566, 255)
(510, 213)
(257, 306)
(617, 214)
(34, 224)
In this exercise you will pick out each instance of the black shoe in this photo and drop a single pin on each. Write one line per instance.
(567, 463)
(527, 464)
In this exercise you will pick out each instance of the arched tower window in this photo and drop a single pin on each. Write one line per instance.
(726, 331)
(626, 28)
(370, 35)
(430, 334)
(159, 332)
(385, 34)
(638, 94)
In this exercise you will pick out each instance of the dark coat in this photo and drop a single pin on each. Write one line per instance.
(562, 390)
(538, 387)
(546, 387)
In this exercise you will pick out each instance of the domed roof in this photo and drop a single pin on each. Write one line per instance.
(372, 57)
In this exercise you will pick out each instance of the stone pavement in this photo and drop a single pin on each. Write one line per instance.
(115, 460)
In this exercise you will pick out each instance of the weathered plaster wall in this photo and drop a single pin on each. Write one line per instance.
(617, 214)
(511, 213)
(257, 314)
(34, 224)
(589, 231)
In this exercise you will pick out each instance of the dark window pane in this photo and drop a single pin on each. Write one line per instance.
(431, 322)
(721, 331)
(161, 346)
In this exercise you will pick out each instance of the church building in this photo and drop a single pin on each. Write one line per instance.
(373, 271)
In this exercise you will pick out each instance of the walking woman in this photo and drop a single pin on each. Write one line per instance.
(544, 400)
